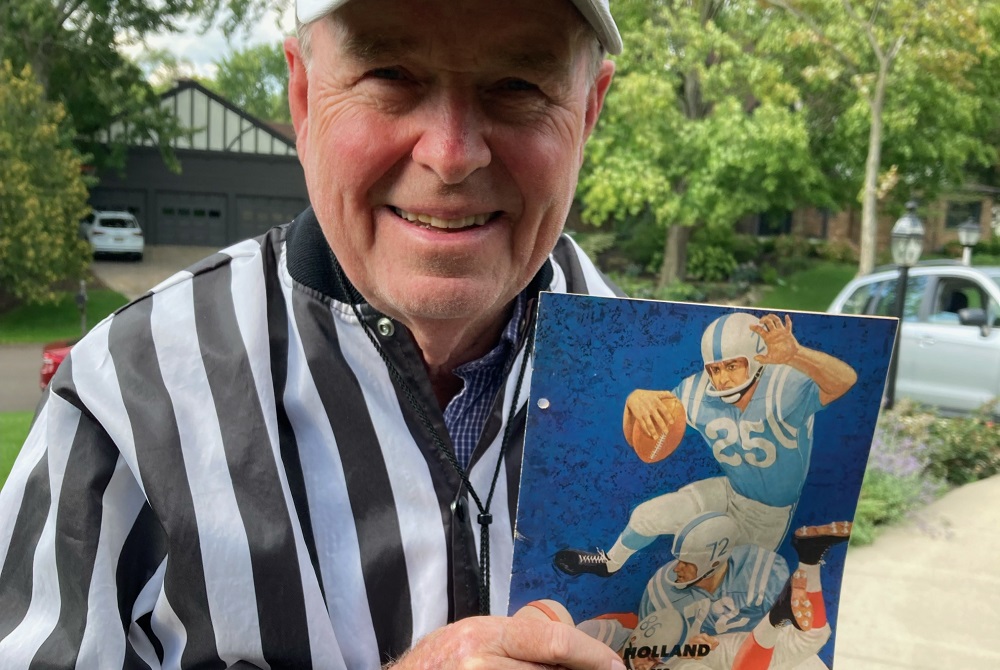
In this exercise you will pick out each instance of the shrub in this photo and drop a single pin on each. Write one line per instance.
(965, 449)
(837, 251)
(709, 263)
(42, 195)
(896, 481)
(746, 248)
(595, 243)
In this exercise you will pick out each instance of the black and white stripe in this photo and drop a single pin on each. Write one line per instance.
(224, 472)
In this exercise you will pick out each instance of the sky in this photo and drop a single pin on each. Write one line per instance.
(198, 52)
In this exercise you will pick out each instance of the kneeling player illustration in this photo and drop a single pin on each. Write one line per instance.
(785, 636)
(754, 404)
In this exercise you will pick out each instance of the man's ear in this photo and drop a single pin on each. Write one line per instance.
(595, 99)
(298, 93)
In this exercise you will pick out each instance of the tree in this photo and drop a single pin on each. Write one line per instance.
(73, 47)
(699, 129)
(908, 63)
(42, 193)
(256, 79)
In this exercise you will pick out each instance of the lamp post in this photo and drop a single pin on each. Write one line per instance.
(907, 242)
(968, 237)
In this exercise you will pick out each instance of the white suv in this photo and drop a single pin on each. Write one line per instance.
(113, 233)
(949, 351)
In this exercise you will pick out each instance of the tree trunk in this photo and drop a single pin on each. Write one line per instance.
(674, 267)
(869, 200)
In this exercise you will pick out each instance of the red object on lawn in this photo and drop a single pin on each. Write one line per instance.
(53, 354)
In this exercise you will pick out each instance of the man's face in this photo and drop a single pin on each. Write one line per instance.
(441, 142)
(686, 572)
(729, 373)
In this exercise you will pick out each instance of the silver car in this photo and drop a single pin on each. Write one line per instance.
(949, 352)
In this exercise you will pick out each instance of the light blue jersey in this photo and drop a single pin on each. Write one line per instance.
(753, 580)
(764, 451)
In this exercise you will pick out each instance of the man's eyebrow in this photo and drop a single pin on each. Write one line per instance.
(373, 49)
(537, 61)
(376, 48)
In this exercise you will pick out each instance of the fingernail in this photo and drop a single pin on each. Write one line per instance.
(617, 665)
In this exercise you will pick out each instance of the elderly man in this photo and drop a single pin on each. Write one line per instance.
(304, 451)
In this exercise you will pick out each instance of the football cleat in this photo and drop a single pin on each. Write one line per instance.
(793, 605)
(811, 542)
(575, 562)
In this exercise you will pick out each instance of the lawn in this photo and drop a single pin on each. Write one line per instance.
(13, 430)
(810, 290)
(44, 323)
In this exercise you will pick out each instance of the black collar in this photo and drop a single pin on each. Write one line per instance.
(312, 263)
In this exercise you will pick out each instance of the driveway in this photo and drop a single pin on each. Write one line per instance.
(20, 363)
(132, 279)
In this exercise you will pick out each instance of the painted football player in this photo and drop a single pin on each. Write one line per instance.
(754, 404)
(786, 634)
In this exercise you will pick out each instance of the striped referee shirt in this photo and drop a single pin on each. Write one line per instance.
(224, 473)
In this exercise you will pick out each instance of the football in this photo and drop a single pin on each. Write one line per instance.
(653, 448)
(548, 610)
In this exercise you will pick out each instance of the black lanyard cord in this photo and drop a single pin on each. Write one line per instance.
(484, 518)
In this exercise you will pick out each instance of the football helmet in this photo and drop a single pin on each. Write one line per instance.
(706, 542)
(728, 337)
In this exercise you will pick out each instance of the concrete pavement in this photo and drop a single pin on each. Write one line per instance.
(20, 363)
(926, 595)
(132, 279)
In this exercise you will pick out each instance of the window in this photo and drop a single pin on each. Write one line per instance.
(959, 212)
(879, 298)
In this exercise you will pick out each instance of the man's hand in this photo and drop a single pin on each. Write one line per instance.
(781, 344)
(705, 638)
(648, 410)
(500, 643)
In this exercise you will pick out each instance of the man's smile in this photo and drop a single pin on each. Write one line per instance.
(448, 224)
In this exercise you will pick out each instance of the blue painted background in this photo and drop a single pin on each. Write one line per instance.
(580, 479)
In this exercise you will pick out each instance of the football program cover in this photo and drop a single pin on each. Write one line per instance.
(690, 477)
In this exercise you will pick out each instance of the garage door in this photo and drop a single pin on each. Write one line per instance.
(256, 214)
(120, 200)
(191, 219)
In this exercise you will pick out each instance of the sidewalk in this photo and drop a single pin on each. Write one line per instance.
(927, 597)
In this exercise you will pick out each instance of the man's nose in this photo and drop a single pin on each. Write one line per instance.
(453, 143)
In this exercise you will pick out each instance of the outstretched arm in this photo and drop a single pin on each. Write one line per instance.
(833, 376)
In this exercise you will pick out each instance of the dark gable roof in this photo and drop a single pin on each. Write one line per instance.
(283, 132)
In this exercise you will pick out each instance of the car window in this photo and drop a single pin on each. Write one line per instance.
(879, 298)
(119, 223)
(953, 294)
(864, 295)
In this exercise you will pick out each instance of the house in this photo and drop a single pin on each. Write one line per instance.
(239, 175)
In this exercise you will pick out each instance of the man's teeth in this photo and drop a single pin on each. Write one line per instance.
(435, 222)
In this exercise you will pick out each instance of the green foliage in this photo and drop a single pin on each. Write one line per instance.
(719, 135)
(836, 251)
(14, 427)
(811, 289)
(709, 258)
(255, 79)
(596, 243)
(966, 449)
(57, 321)
(896, 482)
(42, 195)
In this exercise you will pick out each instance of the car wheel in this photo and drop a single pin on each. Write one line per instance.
(137, 257)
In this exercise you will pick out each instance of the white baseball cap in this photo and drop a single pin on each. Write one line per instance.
(597, 13)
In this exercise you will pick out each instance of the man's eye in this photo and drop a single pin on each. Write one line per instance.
(517, 85)
(388, 73)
